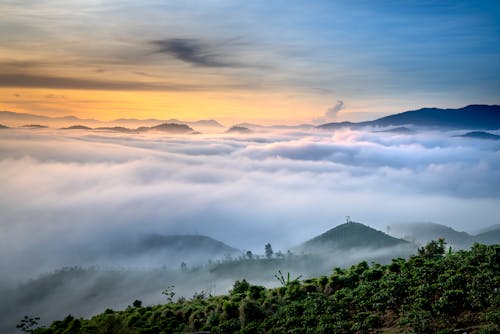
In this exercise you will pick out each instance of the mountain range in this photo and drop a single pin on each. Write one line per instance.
(422, 233)
(173, 128)
(471, 117)
(474, 117)
(18, 119)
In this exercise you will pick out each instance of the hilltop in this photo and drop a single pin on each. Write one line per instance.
(348, 236)
(239, 130)
(404, 296)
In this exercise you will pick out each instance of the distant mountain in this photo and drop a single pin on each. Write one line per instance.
(239, 129)
(35, 126)
(116, 129)
(422, 233)
(152, 121)
(350, 236)
(16, 119)
(187, 244)
(77, 127)
(480, 135)
(485, 117)
(488, 229)
(276, 126)
(169, 127)
(489, 238)
(3, 126)
(398, 130)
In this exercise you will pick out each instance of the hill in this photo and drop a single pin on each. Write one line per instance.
(77, 127)
(489, 237)
(398, 130)
(35, 126)
(428, 293)
(187, 245)
(116, 129)
(425, 232)
(350, 236)
(477, 117)
(17, 119)
(3, 126)
(171, 128)
(480, 135)
(239, 130)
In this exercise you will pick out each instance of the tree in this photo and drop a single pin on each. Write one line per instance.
(137, 303)
(249, 255)
(433, 249)
(269, 250)
(28, 324)
(183, 266)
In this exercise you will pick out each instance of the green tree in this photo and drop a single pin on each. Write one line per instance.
(269, 250)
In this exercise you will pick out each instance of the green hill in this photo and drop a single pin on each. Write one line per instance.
(350, 236)
(425, 232)
(489, 237)
(428, 293)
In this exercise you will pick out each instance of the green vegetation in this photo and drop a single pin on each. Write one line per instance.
(432, 292)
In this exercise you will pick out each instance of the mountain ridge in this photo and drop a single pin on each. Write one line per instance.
(474, 117)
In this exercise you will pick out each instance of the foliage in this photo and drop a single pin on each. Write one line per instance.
(431, 292)
(268, 250)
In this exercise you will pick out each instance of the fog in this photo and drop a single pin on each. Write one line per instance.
(79, 198)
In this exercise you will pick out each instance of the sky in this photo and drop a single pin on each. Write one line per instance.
(277, 61)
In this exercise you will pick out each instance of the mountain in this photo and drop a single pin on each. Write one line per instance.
(181, 245)
(77, 127)
(480, 135)
(486, 117)
(425, 232)
(239, 129)
(398, 130)
(350, 235)
(3, 126)
(152, 121)
(116, 129)
(489, 237)
(17, 119)
(35, 126)
(422, 233)
(168, 127)
(488, 229)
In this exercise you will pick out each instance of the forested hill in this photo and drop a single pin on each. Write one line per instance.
(348, 236)
(432, 292)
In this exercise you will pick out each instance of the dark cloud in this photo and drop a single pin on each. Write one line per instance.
(48, 81)
(195, 52)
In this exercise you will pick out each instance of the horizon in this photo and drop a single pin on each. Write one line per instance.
(174, 119)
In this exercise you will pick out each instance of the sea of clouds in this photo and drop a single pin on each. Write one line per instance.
(72, 198)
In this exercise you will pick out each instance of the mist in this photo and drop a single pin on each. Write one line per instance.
(85, 198)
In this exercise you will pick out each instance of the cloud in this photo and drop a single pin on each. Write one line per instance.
(97, 191)
(194, 52)
(331, 114)
(49, 81)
